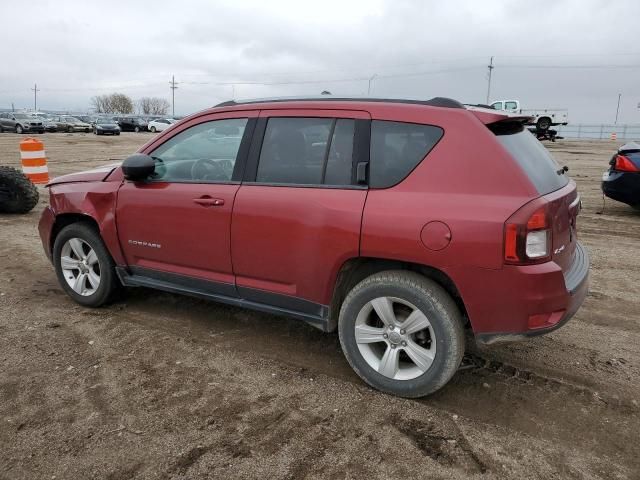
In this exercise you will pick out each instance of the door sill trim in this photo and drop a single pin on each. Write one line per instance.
(142, 277)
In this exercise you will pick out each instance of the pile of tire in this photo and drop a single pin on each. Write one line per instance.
(17, 193)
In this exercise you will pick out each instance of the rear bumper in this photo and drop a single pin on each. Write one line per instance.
(623, 187)
(529, 291)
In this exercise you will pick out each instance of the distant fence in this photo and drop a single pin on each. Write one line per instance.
(599, 132)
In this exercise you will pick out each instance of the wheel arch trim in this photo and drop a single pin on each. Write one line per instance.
(357, 269)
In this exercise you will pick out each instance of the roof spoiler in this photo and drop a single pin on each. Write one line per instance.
(490, 116)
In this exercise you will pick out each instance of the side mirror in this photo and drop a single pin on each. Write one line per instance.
(138, 167)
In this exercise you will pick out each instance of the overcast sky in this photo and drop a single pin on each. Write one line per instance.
(577, 54)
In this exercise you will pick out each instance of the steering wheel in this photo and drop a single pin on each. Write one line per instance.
(207, 169)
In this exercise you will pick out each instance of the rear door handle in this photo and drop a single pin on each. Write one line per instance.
(209, 202)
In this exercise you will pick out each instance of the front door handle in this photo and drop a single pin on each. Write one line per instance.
(209, 202)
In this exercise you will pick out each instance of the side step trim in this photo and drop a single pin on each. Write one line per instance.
(138, 279)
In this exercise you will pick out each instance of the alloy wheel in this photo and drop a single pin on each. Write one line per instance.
(80, 266)
(395, 338)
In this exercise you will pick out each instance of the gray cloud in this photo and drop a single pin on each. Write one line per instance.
(74, 50)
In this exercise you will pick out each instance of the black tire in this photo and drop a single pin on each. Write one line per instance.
(17, 193)
(117, 133)
(69, 129)
(19, 129)
(543, 123)
(136, 129)
(109, 283)
(1, 129)
(153, 129)
(434, 302)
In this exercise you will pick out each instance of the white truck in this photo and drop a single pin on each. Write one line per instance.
(543, 118)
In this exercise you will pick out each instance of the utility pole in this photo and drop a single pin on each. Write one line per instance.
(173, 85)
(371, 80)
(35, 97)
(618, 108)
(490, 67)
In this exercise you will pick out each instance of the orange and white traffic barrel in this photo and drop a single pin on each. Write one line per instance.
(34, 161)
(614, 136)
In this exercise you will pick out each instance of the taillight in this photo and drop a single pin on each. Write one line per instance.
(623, 164)
(527, 237)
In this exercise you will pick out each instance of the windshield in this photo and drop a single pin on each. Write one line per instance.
(23, 116)
(536, 161)
(71, 119)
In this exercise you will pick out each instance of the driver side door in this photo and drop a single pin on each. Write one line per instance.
(176, 226)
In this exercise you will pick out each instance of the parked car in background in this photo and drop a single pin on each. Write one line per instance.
(106, 126)
(397, 223)
(20, 123)
(622, 181)
(160, 124)
(542, 118)
(131, 124)
(67, 123)
(49, 124)
(86, 119)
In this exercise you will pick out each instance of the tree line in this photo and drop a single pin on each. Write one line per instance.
(121, 103)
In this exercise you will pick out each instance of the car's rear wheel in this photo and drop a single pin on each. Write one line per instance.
(70, 129)
(19, 128)
(401, 333)
(543, 123)
(84, 266)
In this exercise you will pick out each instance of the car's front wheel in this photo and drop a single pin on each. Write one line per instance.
(153, 129)
(401, 333)
(84, 266)
(136, 129)
(19, 128)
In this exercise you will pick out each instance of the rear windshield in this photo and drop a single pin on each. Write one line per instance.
(533, 157)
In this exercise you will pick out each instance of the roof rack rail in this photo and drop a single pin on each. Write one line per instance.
(434, 102)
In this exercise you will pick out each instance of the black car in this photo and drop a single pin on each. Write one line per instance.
(622, 181)
(132, 124)
(106, 126)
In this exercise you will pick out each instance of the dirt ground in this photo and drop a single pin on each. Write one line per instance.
(169, 387)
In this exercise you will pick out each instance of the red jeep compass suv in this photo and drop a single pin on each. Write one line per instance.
(399, 223)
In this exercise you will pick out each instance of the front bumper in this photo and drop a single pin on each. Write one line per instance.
(622, 186)
(33, 128)
(542, 299)
(45, 226)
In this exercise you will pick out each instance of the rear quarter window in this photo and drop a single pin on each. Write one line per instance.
(397, 148)
(533, 158)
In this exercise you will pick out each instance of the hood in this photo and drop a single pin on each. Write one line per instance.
(95, 175)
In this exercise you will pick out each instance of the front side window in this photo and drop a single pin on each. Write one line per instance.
(307, 151)
(200, 154)
(397, 148)
(510, 105)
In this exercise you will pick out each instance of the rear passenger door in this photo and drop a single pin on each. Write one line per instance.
(297, 214)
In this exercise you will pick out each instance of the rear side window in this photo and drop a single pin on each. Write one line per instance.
(397, 148)
(533, 158)
(307, 151)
